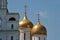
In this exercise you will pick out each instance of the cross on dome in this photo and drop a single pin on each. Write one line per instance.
(25, 9)
(38, 17)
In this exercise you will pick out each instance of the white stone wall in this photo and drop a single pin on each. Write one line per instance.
(3, 35)
(5, 28)
(3, 19)
(21, 36)
(3, 4)
(15, 15)
(37, 37)
(15, 23)
(7, 35)
(27, 34)
(14, 34)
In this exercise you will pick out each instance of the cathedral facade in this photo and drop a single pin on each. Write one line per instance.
(13, 29)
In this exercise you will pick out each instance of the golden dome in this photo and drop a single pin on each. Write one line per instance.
(39, 29)
(25, 23)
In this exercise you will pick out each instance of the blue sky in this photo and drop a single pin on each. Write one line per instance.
(49, 10)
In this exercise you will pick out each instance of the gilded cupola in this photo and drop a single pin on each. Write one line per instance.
(39, 29)
(25, 23)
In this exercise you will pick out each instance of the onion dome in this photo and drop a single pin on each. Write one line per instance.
(39, 29)
(25, 23)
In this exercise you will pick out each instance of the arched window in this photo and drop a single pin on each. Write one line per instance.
(12, 19)
(11, 37)
(12, 26)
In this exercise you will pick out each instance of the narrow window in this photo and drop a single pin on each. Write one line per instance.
(11, 37)
(24, 36)
(12, 26)
(39, 38)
